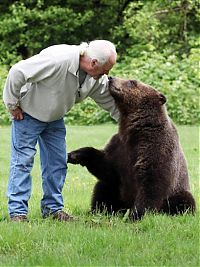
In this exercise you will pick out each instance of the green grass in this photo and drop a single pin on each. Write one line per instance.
(157, 240)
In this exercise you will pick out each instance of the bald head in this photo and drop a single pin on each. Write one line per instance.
(98, 57)
(101, 50)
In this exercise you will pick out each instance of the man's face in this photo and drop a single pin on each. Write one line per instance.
(96, 70)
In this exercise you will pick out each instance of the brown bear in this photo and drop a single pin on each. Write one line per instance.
(142, 167)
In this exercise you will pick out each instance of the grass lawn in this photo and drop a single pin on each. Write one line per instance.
(157, 240)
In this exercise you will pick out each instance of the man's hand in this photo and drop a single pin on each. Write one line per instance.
(17, 113)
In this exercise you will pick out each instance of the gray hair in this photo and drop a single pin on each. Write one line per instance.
(101, 50)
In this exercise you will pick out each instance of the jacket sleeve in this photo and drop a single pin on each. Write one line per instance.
(101, 95)
(31, 70)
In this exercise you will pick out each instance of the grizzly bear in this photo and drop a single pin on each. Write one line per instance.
(142, 168)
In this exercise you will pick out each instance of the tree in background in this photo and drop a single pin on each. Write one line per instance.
(165, 26)
(157, 41)
(28, 26)
(161, 40)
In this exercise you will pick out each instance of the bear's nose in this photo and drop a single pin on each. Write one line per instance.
(109, 78)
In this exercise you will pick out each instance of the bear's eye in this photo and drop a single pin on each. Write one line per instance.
(132, 83)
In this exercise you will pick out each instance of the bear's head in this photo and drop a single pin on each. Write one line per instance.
(133, 96)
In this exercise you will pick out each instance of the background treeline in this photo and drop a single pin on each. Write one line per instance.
(157, 42)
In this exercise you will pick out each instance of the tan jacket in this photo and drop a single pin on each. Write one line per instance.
(46, 86)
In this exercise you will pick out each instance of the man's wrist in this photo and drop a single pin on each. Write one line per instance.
(12, 107)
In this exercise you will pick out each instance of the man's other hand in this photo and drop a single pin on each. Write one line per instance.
(17, 113)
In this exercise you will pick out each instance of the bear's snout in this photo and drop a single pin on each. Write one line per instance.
(110, 81)
(113, 82)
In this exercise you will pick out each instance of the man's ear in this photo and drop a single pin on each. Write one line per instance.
(94, 62)
(162, 99)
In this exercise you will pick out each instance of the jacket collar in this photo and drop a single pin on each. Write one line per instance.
(74, 64)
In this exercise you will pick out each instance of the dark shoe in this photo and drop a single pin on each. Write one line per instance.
(62, 216)
(19, 218)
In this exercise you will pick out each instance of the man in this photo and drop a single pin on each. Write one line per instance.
(38, 92)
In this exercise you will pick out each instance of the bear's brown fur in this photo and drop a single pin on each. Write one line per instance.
(143, 166)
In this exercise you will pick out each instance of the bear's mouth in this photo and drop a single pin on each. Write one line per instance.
(112, 87)
(114, 90)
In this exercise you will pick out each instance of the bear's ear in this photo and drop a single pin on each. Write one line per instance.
(162, 99)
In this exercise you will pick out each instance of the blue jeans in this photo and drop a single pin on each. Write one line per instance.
(53, 158)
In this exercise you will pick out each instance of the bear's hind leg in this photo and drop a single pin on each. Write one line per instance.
(105, 198)
(179, 203)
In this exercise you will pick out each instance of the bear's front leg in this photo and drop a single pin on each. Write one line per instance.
(95, 161)
(105, 198)
(138, 211)
(84, 156)
(145, 201)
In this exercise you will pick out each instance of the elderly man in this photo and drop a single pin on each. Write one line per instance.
(38, 92)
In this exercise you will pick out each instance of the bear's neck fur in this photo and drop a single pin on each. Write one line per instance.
(134, 124)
